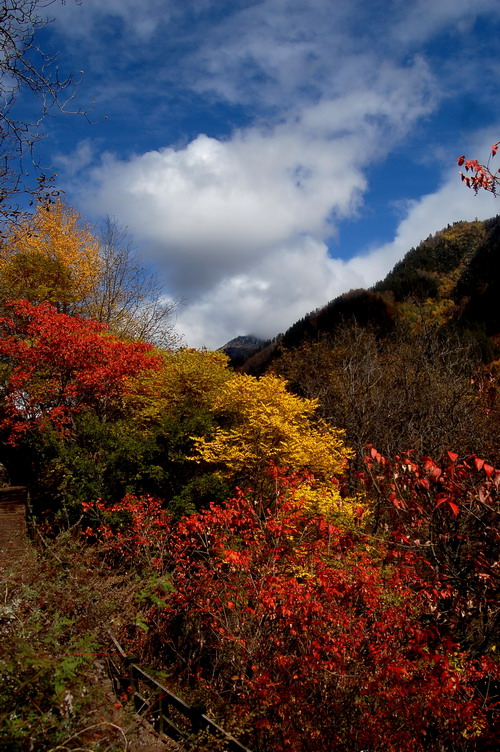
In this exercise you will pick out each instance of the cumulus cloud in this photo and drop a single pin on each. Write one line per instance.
(240, 226)
(281, 268)
(217, 207)
(279, 289)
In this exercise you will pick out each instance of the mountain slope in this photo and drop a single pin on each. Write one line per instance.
(453, 276)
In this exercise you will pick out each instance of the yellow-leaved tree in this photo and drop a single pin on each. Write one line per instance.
(52, 257)
(245, 425)
(261, 423)
(188, 381)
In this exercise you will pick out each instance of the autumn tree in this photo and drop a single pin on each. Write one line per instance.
(55, 365)
(233, 427)
(86, 415)
(64, 423)
(55, 257)
(52, 257)
(188, 381)
(127, 297)
(261, 422)
(171, 406)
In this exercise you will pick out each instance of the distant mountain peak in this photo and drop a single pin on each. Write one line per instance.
(242, 347)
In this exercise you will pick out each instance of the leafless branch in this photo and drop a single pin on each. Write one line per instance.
(26, 70)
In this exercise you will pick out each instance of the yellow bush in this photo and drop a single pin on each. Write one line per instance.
(262, 423)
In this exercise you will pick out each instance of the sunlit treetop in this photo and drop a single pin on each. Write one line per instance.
(187, 378)
(261, 422)
(51, 257)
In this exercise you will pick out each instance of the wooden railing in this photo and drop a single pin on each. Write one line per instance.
(161, 708)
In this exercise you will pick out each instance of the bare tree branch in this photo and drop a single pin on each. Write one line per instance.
(128, 297)
(26, 70)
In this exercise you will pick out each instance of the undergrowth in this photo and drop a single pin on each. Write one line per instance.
(57, 605)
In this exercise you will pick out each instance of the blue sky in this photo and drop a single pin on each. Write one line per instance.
(268, 155)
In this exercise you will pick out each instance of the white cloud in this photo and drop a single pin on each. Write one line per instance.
(234, 199)
(274, 51)
(275, 292)
(425, 18)
(218, 207)
(269, 54)
(266, 53)
(240, 226)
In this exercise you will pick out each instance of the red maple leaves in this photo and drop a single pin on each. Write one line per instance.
(55, 365)
(481, 177)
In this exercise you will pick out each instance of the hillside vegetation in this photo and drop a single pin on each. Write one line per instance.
(452, 278)
(412, 362)
(311, 553)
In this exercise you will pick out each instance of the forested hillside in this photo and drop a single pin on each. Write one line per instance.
(452, 278)
(312, 554)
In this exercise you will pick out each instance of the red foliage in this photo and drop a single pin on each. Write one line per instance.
(447, 511)
(135, 529)
(481, 177)
(58, 364)
(318, 638)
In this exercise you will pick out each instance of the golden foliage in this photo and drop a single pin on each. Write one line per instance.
(53, 257)
(258, 423)
(325, 499)
(188, 377)
(263, 423)
(432, 311)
